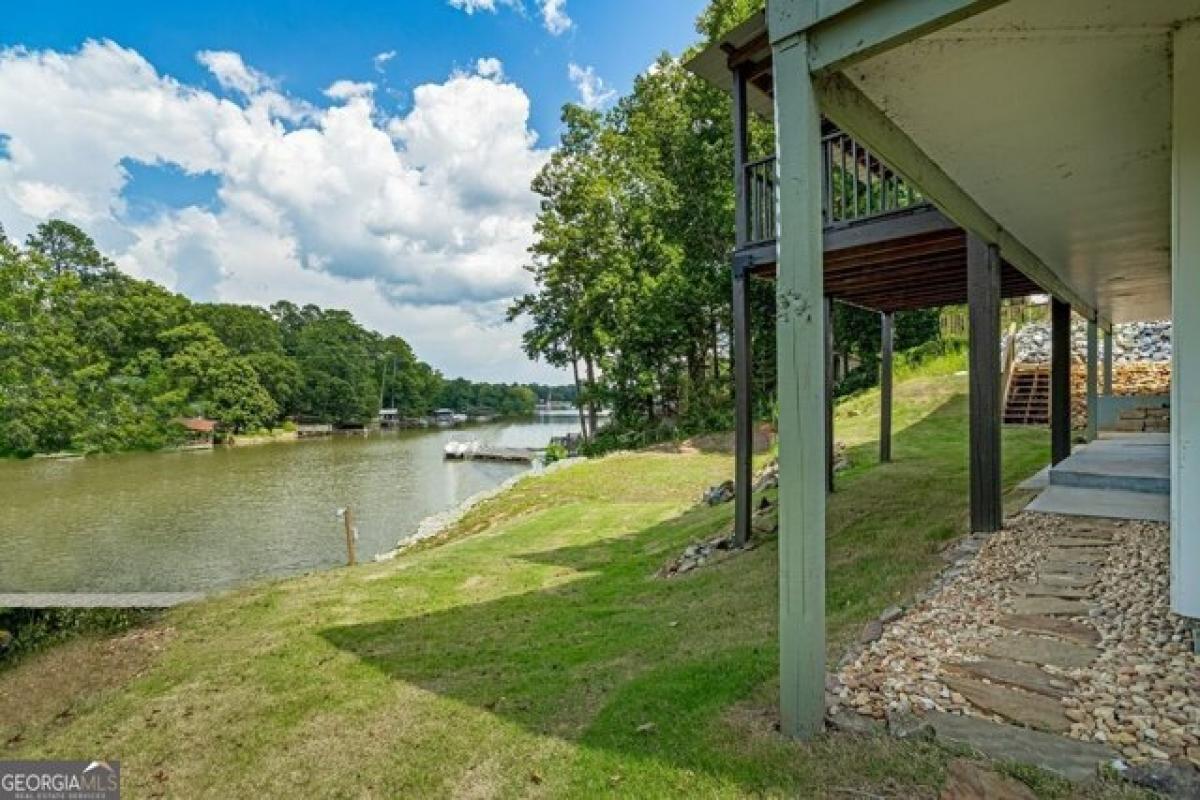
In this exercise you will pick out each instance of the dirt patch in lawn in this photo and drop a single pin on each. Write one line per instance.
(52, 688)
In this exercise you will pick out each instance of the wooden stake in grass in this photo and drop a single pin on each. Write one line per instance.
(348, 517)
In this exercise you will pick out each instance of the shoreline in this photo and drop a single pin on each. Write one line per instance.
(438, 523)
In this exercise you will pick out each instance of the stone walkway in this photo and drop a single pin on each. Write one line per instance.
(1057, 624)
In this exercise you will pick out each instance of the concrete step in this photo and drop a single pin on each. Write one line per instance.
(1134, 470)
(1081, 502)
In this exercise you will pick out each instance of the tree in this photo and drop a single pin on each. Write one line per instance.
(94, 360)
(68, 249)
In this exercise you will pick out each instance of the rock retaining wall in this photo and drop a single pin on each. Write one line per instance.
(1132, 342)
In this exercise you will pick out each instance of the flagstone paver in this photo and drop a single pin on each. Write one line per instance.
(1078, 632)
(1062, 567)
(1039, 650)
(1071, 759)
(1053, 618)
(1082, 555)
(1040, 589)
(1073, 581)
(1050, 606)
(1035, 711)
(1016, 674)
(1080, 541)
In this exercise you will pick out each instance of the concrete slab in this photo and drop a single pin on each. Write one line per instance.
(1039, 480)
(97, 600)
(1117, 465)
(1135, 438)
(1074, 501)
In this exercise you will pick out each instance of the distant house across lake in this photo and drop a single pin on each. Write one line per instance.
(200, 431)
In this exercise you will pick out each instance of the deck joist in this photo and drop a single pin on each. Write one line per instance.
(903, 261)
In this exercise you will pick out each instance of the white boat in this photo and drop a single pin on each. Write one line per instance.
(460, 449)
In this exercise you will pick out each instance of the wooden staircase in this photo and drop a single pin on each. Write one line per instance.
(1028, 399)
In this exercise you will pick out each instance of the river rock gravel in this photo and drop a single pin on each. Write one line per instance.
(1140, 695)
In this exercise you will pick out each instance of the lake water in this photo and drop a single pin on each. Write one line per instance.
(199, 520)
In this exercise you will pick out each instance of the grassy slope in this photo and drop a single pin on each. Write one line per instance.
(522, 659)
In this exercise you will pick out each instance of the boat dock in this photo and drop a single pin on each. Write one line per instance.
(474, 451)
(97, 599)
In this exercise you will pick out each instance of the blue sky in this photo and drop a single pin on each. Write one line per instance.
(180, 172)
(310, 44)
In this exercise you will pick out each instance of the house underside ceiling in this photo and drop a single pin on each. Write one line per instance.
(1055, 117)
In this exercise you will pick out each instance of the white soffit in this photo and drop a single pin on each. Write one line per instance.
(1055, 117)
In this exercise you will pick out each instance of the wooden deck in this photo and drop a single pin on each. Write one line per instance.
(909, 259)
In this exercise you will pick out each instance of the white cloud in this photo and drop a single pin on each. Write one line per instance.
(419, 223)
(471, 6)
(381, 60)
(554, 12)
(554, 16)
(231, 72)
(348, 90)
(593, 92)
(490, 68)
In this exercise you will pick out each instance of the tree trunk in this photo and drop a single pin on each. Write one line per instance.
(583, 428)
(716, 351)
(591, 379)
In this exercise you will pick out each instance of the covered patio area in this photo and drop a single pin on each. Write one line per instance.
(1062, 141)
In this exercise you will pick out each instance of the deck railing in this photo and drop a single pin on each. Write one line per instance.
(760, 200)
(855, 185)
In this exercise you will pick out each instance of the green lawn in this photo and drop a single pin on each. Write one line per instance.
(532, 654)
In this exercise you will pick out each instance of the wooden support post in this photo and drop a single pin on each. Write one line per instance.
(983, 300)
(801, 381)
(1108, 362)
(886, 344)
(1060, 380)
(1093, 403)
(1185, 331)
(743, 468)
(351, 554)
(830, 379)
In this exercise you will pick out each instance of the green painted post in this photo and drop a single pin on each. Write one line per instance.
(1185, 332)
(1093, 403)
(801, 385)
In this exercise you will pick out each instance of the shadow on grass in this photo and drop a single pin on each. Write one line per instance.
(598, 659)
